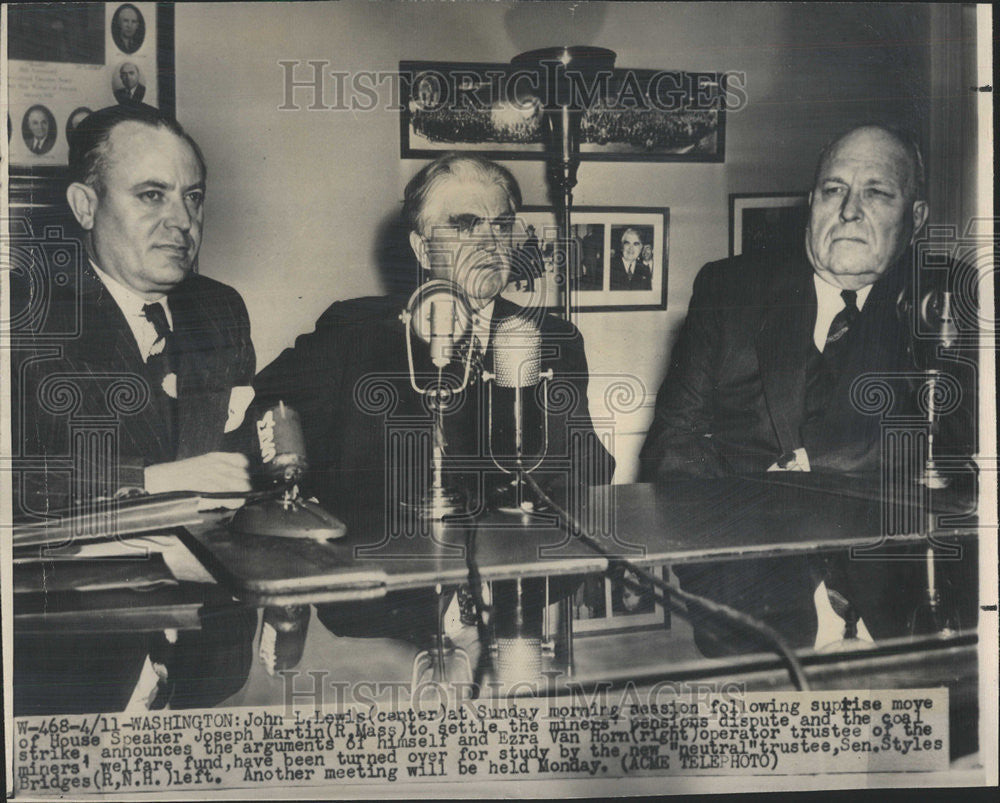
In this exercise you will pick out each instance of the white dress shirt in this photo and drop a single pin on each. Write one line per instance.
(131, 305)
(828, 304)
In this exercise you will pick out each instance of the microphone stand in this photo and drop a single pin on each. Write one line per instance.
(521, 501)
(559, 72)
(291, 516)
(929, 616)
(438, 501)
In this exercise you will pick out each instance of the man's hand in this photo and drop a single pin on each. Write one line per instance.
(215, 472)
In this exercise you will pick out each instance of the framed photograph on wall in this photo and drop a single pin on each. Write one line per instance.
(620, 256)
(767, 222)
(604, 603)
(67, 59)
(631, 115)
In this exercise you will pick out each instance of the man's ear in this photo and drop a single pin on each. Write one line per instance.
(419, 246)
(83, 201)
(920, 213)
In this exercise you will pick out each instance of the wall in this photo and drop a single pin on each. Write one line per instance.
(299, 200)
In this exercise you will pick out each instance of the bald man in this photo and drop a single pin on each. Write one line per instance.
(761, 380)
(133, 90)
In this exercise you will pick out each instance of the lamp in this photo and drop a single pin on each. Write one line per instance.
(563, 77)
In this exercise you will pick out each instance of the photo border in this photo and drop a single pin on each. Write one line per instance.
(614, 300)
(739, 201)
(410, 68)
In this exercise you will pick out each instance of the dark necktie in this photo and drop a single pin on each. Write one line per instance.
(462, 349)
(822, 374)
(161, 360)
(823, 370)
(841, 324)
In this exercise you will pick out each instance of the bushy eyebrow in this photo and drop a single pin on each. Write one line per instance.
(156, 184)
(871, 180)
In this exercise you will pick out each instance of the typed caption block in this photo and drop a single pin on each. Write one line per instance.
(787, 733)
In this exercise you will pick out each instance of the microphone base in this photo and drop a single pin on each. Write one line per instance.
(296, 518)
(516, 496)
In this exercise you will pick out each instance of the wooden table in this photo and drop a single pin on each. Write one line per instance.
(683, 522)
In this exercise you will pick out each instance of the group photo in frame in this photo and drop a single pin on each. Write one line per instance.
(618, 258)
(632, 115)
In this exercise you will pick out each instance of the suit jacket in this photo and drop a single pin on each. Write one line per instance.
(641, 279)
(734, 401)
(334, 377)
(46, 145)
(122, 96)
(130, 46)
(350, 382)
(80, 380)
(81, 368)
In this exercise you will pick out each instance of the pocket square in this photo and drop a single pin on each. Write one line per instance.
(239, 400)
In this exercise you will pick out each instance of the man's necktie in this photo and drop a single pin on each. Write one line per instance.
(842, 322)
(156, 315)
(820, 382)
(823, 370)
(161, 358)
(473, 343)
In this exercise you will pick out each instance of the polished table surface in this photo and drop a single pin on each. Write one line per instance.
(681, 522)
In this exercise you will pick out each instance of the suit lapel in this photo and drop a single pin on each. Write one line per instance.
(782, 349)
(111, 348)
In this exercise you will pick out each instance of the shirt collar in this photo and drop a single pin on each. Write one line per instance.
(128, 301)
(828, 295)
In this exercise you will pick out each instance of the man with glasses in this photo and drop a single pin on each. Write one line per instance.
(460, 211)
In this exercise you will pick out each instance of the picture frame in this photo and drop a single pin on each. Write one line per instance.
(767, 221)
(603, 604)
(602, 282)
(81, 74)
(633, 116)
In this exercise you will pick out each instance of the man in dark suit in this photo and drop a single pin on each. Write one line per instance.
(460, 210)
(762, 374)
(528, 267)
(628, 272)
(127, 28)
(40, 135)
(132, 90)
(146, 352)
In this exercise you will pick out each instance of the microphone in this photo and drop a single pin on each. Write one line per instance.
(517, 362)
(936, 314)
(442, 331)
(517, 350)
(436, 312)
(282, 445)
(283, 464)
(518, 612)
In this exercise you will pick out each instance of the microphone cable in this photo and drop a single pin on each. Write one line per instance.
(765, 633)
(482, 629)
